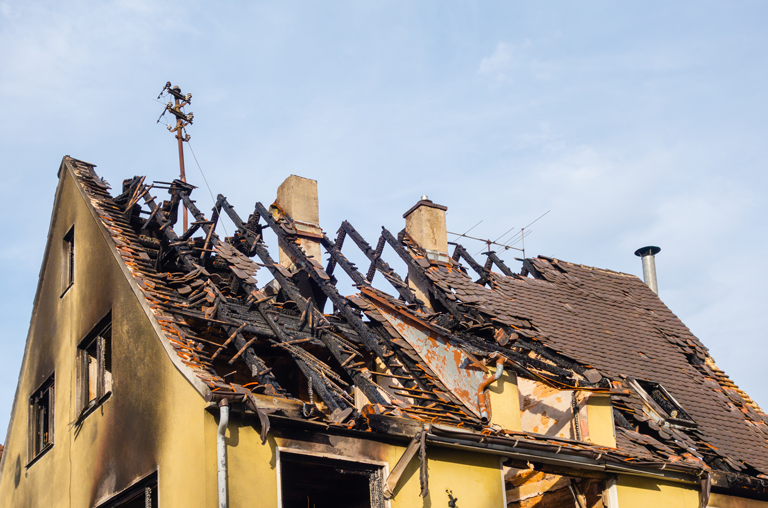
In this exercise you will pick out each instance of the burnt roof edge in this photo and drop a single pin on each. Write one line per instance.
(185, 371)
(521, 448)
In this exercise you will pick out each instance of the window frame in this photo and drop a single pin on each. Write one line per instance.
(134, 491)
(35, 447)
(68, 260)
(84, 403)
(381, 466)
(644, 388)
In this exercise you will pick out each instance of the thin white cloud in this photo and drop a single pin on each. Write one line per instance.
(497, 64)
(510, 62)
(499, 67)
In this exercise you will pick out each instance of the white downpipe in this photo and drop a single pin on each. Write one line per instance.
(612, 497)
(221, 452)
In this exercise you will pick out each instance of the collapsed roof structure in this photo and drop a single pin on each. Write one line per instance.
(424, 355)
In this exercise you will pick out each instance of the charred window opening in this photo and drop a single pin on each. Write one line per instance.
(68, 261)
(142, 494)
(94, 367)
(319, 482)
(41, 420)
(674, 411)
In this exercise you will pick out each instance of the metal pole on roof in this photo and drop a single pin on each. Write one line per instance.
(182, 120)
(182, 174)
(648, 254)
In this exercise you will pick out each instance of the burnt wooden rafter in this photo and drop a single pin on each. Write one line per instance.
(414, 375)
(257, 366)
(405, 292)
(417, 269)
(381, 349)
(500, 264)
(341, 351)
(331, 394)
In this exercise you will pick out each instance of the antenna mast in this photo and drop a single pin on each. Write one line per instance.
(182, 120)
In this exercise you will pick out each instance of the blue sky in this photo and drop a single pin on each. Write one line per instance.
(634, 124)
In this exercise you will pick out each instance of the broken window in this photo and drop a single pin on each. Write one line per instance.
(663, 403)
(41, 419)
(142, 494)
(68, 260)
(319, 482)
(94, 365)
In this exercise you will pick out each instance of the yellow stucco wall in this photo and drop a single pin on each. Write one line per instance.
(154, 417)
(475, 479)
(600, 418)
(505, 402)
(254, 483)
(638, 492)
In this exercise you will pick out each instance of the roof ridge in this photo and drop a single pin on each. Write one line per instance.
(554, 261)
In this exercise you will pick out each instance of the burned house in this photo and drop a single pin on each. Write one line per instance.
(194, 369)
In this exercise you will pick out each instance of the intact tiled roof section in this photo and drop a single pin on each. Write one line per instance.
(613, 322)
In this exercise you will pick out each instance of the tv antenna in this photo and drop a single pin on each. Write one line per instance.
(524, 232)
(182, 120)
(520, 236)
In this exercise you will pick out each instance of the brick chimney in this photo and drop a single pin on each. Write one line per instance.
(297, 196)
(425, 223)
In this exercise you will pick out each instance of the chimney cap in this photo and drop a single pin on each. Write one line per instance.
(424, 202)
(647, 251)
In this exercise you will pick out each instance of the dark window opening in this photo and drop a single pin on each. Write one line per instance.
(68, 261)
(674, 411)
(41, 420)
(316, 482)
(142, 494)
(94, 367)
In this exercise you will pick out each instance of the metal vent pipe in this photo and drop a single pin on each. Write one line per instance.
(649, 266)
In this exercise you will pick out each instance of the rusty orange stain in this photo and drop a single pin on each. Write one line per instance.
(456, 369)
